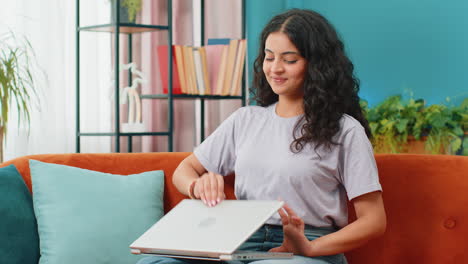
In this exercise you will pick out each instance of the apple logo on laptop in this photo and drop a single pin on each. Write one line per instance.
(207, 222)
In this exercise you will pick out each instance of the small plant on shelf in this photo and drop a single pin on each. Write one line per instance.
(132, 7)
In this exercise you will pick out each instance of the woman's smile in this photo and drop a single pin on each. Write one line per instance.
(279, 80)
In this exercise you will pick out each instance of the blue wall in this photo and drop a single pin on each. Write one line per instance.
(398, 46)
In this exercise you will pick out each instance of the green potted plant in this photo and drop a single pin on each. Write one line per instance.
(396, 123)
(460, 114)
(17, 82)
(444, 128)
(128, 10)
(392, 122)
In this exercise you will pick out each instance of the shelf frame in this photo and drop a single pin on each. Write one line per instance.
(117, 28)
(190, 96)
(128, 28)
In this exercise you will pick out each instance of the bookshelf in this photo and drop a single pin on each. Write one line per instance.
(117, 28)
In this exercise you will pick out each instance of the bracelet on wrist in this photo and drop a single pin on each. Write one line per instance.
(191, 189)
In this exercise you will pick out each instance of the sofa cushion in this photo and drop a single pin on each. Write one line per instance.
(18, 228)
(85, 216)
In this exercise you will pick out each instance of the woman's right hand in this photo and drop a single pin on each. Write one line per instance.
(209, 188)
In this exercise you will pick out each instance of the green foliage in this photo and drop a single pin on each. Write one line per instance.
(133, 7)
(465, 146)
(393, 121)
(17, 84)
(445, 128)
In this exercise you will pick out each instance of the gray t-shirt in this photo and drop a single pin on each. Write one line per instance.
(254, 142)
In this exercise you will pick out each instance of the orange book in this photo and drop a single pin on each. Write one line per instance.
(206, 79)
(188, 69)
(237, 76)
(222, 71)
(193, 75)
(180, 68)
(231, 60)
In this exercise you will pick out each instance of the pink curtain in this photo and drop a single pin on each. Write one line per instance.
(222, 20)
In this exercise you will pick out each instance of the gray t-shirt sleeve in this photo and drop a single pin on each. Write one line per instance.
(358, 172)
(217, 152)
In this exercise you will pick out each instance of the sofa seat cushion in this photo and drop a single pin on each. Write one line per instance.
(18, 228)
(86, 216)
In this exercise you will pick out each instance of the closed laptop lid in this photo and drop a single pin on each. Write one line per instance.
(192, 228)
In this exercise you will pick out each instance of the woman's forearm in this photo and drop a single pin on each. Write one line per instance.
(371, 222)
(350, 237)
(184, 175)
(193, 180)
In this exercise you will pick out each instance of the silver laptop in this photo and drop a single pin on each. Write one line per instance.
(195, 231)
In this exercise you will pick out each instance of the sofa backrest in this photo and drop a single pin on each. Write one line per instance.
(425, 198)
(120, 163)
(426, 202)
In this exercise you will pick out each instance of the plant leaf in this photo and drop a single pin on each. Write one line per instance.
(455, 145)
(401, 125)
(17, 81)
(465, 146)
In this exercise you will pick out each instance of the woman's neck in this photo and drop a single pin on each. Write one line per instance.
(289, 108)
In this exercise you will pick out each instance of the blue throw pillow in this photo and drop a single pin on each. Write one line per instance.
(19, 242)
(86, 216)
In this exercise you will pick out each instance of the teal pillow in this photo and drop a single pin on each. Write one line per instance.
(86, 216)
(19, 242)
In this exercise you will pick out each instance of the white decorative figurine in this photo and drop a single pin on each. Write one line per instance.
(130, 93)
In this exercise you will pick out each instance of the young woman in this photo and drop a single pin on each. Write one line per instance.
(306, 142)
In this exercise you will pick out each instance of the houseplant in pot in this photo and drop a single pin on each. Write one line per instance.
(444, 126)
(393, 122)
(128, 10)
(398, 126)
(17, 81)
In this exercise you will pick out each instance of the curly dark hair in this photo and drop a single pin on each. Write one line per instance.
(330, 87)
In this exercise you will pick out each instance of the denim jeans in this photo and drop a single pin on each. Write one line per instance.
(266, 238)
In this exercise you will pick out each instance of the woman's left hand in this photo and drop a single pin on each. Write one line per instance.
(294, 239)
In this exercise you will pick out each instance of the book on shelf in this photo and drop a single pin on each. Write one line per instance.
(164, 70)
(238, 69)
(222, 71)
(230, 61)
(214, 58)
(188, 61)
(181, 68)
(227, 77)
(214, 69)
(206, 78)
(218, 41)
(197, 62)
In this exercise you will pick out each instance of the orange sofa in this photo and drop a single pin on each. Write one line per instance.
(426, 199)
